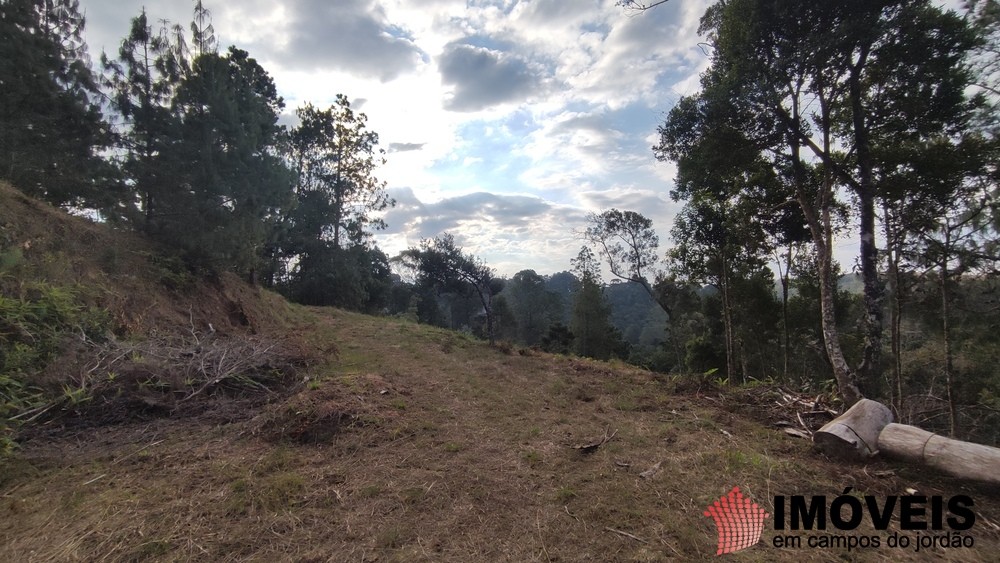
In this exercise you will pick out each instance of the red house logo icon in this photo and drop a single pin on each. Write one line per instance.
(739, 521)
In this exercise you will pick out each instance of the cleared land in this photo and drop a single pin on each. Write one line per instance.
(420, 444)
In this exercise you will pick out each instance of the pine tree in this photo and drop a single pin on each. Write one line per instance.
(335, 156)
(51, 127)
(594, 335)
(142, 81)
(202, 31)
(233, 185)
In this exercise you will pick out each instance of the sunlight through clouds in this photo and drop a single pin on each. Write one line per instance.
(505, 122)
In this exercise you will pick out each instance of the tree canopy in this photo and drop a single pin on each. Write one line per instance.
(821, 97)
(442, 264)
(51, 127)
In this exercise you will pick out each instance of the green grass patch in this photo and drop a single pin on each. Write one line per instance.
(152, 550)
(272, 493)
(412, 495)
(393, 537)
(36, 320)
(565, 494)
(532, 457)
(370, 491)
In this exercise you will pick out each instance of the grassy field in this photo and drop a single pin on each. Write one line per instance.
(412, 443)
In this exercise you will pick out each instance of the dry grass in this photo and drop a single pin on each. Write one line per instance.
(125, 275)
(419, 444)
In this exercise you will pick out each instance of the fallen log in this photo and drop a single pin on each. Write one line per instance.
(866, 429)
(854, 434)
(964, 460)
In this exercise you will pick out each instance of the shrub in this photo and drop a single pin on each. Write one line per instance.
(35, 322)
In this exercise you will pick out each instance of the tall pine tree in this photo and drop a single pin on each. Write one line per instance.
(335, 155)
(51, 127)
(141, 82)
(233, 186)
(590, 324)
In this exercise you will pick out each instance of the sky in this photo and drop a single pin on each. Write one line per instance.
(505, 122)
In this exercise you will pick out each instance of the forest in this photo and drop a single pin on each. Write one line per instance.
(871, 121)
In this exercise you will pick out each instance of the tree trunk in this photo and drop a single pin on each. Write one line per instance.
(727, 321)
(823, 241)
(867, 428)
(871, 357)
(846, 379)
(744, 364)
(486, 300)
(894, 243)
(338, 195)
(854, 434)
(964, 460)
(818, 219)
(785, 280)
(946, 332)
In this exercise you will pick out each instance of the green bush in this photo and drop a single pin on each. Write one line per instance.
(34, 324)
(35, 320)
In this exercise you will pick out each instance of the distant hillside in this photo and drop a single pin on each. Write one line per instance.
(641, 321)
(851, 283)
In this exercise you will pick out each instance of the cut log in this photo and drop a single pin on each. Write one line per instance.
(854, 434)
(964, 460)
(866, 429)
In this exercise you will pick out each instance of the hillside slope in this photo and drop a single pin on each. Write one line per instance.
(408, 443)
(100, 320)
(130, 277)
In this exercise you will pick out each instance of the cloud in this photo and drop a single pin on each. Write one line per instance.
(548, 98)
(506, 231)
(591, 149)
(353, 36)
(553, 13)
(645, 201)
(485, 77)
(638, 50)
(349, 35)
(405, 147)
(426, 220)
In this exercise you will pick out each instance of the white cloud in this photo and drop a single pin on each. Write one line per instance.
(510, 232)
(355, 36)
